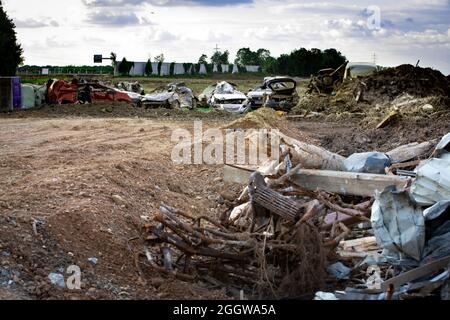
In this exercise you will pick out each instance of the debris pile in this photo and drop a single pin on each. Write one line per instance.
(372, 226)
(386, 85)
(406, 89)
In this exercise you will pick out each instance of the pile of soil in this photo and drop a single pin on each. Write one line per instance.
(267, 118)
(388, 84)
(411, 90)
(349, 136)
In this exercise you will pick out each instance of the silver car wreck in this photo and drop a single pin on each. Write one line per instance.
(224, 96)
(279, 93)
(173, 96)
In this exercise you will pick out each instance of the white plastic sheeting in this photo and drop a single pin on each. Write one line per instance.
(139, 69)
(398, 223)
(252, 68)
(203, 69)
(178, 68)
(433, 182)
(435, 211)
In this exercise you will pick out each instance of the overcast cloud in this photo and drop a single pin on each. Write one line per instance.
(71, 31)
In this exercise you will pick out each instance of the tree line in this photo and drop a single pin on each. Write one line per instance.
(300, 62)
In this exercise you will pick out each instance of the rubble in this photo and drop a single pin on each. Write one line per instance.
(285, 232)
(384, 98)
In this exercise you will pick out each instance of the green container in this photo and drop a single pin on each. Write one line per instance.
(28, 96)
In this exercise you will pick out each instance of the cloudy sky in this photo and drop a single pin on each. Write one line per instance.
(69, 32)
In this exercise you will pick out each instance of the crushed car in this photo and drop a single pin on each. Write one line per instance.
(279, 93)
(224, 96)
(76, 91)
(131, 87)
(175, 95)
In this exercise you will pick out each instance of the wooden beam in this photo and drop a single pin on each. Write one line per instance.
(416, 273)
(345, 183)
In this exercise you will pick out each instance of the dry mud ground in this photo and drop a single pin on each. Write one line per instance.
(78, 187)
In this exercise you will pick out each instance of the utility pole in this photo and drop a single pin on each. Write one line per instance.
(374, 58)
(216, 49)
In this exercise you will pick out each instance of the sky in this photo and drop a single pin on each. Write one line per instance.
(55, 32)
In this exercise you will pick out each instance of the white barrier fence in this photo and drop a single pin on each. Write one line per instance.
(179, 69)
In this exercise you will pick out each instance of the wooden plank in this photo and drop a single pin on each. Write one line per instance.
(360, 245)
(411, 151)
(416, 273)
(389, 119)
(345, 183)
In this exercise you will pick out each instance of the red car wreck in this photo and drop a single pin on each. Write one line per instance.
(63, 92)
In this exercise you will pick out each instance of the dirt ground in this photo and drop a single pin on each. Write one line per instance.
(79, 183)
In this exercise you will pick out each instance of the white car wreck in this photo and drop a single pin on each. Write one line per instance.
(173, 96)
(224, 96)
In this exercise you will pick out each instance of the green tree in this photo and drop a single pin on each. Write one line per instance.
(113, 58)
(220, 57)
(245, 57)
(160, 58)
(10, 50)
(203, 59)
(125, 67)
(148, 68)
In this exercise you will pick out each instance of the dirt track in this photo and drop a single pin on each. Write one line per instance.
(89, 184)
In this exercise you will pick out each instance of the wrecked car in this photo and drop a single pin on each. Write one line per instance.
(63, 92)
(279, 93)
(173, 96)
(224, 96)
(326, 80)
(131, 87)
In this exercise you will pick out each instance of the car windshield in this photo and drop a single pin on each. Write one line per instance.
(288, 85)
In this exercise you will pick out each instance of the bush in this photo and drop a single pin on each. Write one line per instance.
(125, 67)
(148, 68)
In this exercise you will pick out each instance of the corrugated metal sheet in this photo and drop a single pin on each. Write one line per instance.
(433, 182)
(398, 223)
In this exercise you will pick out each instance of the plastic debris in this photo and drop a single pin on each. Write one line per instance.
(339, 270)
(370, 162)
(57, 279)
(398, 223)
